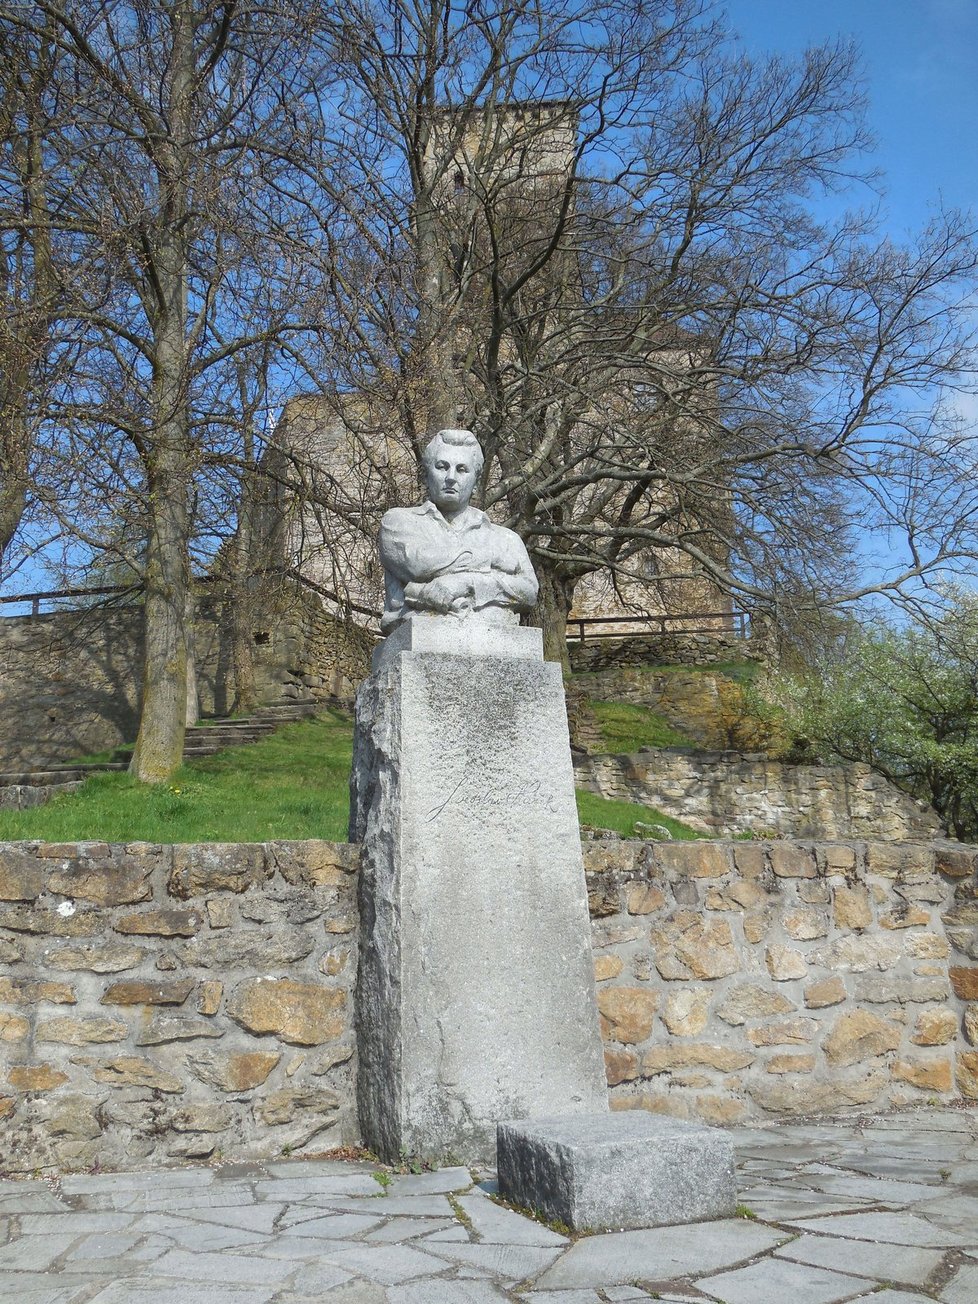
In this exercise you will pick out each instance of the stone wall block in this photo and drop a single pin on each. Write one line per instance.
(315, 863)
(165, 1027)
(788, 861)
(31, 991)
(785, 964)
(786, 1032)
(51, 922)
(851, 908)
(627, 1013)
(694, 859)
(22, 878)
(36, 1077)
(966, 1073)
(303, 1014)
(933, 1075)
(161, 923)
(964, 982)
(954, 860)
(825, 992)
(81, 1032)
(233, 1071)
(859, 1035)
(746, 1001)
(134, 1071)
(969, 1024)
(99, 958)
(140, 992)
(83, 878)
(13, 1027)
(218, 867)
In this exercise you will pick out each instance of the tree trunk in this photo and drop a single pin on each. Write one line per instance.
(551, 611)
(163, 718)
(13, 499)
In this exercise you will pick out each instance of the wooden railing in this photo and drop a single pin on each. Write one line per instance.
(579, 628)
(694, 622)
(51, 595)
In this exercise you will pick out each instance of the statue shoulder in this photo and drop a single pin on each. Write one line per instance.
(400, 517)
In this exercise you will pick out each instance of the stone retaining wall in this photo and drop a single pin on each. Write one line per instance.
(726, 793)
(677, 647)
(70, 680)
(740, 981)
(165, 1003)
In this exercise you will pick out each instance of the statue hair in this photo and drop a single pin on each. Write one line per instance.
(454, 439)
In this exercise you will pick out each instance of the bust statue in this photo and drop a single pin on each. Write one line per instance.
(446, 558)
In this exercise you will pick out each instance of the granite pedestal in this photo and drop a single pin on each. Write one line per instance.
(617, 1171)
(475, 996)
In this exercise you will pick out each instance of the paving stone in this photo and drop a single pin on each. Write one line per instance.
(333, 1226)
(447, 1292)
(411, 1206)
(909, 1265)
(295, 1187)
(492, 1223)
(133, 1291)
(224, 1269)
(874, 1188)
(439, 1182)
(450, 1234)
(660, 1254)
(405, 1229)
(158, 1180)
(42, 1288)
(389, 1264)
(77, 1223)
(787, 1205)
(895, 1228)
(957, 1212)
(568, 1297)
(34, 1253)
(963, 1286)
(511, 1262)
(314, 1278)
(893, 1297)
(201, 1236)
(254, 1218)
(29, 1202)
(772, 1281)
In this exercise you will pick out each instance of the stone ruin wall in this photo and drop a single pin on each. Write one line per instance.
(725, 793)
(70, 681)
(195, 1002)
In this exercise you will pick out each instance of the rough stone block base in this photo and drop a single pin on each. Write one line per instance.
(475, 992)
(617, 1171)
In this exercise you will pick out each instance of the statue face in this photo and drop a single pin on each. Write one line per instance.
(451, 478)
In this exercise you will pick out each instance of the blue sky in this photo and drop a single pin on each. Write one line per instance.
(921, 62)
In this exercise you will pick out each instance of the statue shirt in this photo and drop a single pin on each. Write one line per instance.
(417, 544)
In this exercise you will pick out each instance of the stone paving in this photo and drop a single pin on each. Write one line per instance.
(882, 1210)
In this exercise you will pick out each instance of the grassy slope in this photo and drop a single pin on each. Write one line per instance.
(293, 784)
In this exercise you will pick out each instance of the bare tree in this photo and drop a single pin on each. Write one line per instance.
(195, 142)
(587, 231)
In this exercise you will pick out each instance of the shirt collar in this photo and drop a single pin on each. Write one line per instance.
(472, 517)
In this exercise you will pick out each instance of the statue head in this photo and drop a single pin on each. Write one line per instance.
(452, 463)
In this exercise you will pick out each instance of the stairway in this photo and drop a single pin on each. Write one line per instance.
(200, 740)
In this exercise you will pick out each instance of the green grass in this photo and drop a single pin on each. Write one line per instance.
(626, 727)
(622, 816)
(292, 784)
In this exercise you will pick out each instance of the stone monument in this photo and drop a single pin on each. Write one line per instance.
(475, 998)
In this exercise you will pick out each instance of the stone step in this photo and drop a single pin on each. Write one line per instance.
(54, 774)
(200, 740)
